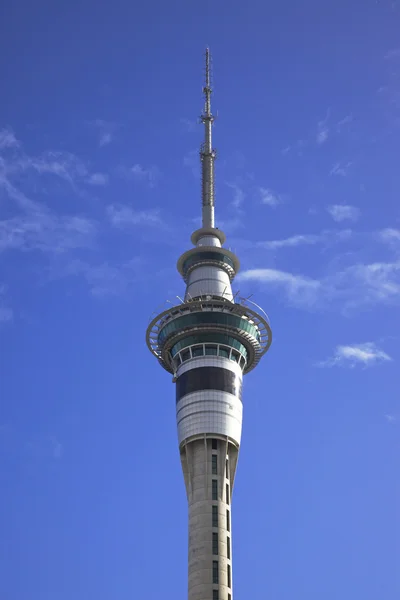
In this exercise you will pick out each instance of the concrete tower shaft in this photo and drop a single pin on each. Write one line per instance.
(208, 342)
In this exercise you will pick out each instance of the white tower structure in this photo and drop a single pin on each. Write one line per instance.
(208, 342)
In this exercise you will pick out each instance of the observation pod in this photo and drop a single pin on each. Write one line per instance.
(208, 342)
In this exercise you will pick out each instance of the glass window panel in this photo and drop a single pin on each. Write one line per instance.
(209, 337)
(185, 355)
(235, 355)
(223, 352)
(211, 350)
(214, 464)
(208, 378)
(215, 571)
(197, 351)
(215, 543)
(215, 516)
(214, 489)
(228, 547)
(208, 317)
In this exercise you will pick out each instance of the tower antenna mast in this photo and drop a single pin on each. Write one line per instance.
(207, 153)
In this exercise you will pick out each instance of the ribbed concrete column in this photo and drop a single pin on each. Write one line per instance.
(210, 545)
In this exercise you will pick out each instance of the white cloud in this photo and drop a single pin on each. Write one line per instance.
(238, 195)
(367, 355)
(105, 279)
(391, 418)
(390, 235)
(342, 122)
(122, 216)
(98, 179)
(393, 54)
(298, 289)
(106, 131)
(191, 161)
(189, 126)
(306, 239)
(46, 232)
(340, 169)
(6, 314)
(322, 135)
(269, 197)
(343, 212)
(356, 286)
(149, 175)
(8, 139)
(36, 227)
(63, 165)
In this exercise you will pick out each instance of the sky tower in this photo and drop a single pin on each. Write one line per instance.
(208, 342)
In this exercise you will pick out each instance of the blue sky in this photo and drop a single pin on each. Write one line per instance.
(99, 193)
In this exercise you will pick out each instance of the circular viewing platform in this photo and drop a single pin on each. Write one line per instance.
(209, 326)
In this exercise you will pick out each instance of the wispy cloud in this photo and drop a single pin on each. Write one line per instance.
(294, 241)
(189, 125)
(238, 195)
(390, 235)
(322, 130)
(6, 314)
(297, 288)
(44, 231)
(356, 286)
(124, 216)
(105, 130)
(149, 175)
(343, 122)
(105, 279)
(340, 169)
(392, 419)
(191, 160)
(98, 179)
(34, 226)
(268, 197)
(343, 212)
(8, 139)
(52, 164)
(394, 53)
(366, 355)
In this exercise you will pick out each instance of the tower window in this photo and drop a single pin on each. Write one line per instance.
(227, 493)
(185, 355)
(235, 356)
(229, 576)
(215, 516)
(228, 547)
(215, 543)
(214, 444)
(223, 352)
(229, 597)
(215, 595)
(215, 571)
(214, 489)
(226, 469)
(211, 350)
(214, 464)
(197, 351)
(228, 521)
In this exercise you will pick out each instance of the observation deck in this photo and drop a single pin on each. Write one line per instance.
(208, 326)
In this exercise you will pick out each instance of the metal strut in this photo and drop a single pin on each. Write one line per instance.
(207, 153)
